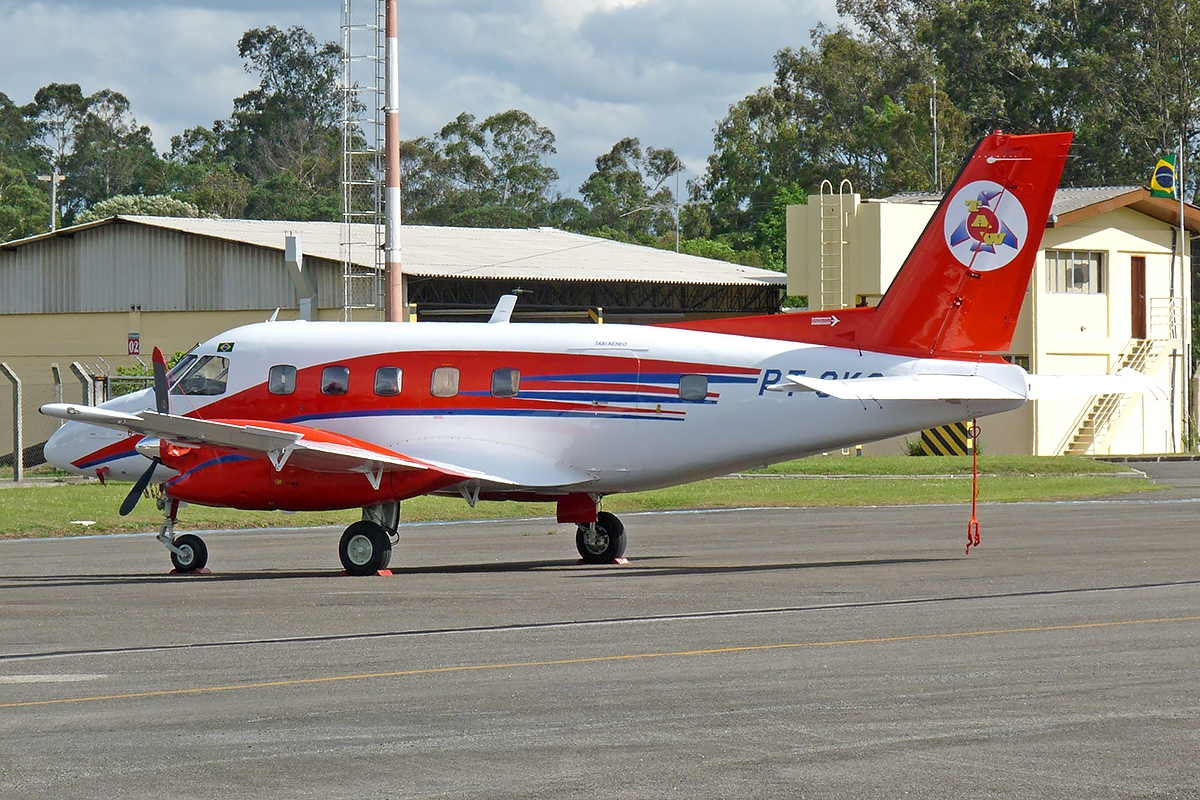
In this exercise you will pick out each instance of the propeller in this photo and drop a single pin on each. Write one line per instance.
(162, 404)
(135, 494)
(162, 400)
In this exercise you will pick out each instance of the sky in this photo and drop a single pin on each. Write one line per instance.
(593, 71)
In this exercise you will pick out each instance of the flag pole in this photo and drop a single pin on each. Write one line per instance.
(1185, 249)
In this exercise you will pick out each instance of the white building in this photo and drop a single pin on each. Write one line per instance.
(1109, 289)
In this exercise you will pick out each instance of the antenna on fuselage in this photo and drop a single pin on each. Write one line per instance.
(504, 309)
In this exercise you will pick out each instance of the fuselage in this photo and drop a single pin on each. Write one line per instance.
(628, 407)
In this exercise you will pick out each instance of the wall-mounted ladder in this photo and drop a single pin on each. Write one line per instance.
(831, 294)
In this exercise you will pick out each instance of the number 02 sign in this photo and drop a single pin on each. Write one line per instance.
(135, 344)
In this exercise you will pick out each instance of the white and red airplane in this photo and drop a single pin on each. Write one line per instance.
(329, 415)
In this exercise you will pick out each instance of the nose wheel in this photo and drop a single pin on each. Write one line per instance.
(602, 541)
(188, 552)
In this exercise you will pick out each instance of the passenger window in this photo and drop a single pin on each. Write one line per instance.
(335, 380)
(387, 381)
(444, 382)
(207, 377)
(693, 388)
(506, 382)
(281, 379)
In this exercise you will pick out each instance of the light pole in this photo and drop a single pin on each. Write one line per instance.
(54, 180)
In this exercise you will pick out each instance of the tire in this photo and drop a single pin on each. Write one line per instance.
(194, 555)
(365, 548)
(609, 542)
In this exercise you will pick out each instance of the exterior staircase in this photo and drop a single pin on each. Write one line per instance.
(1101, 412)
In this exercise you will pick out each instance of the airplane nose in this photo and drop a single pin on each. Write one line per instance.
(55, 449)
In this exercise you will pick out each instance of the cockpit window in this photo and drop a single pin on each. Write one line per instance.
(207, 377)
(180, 369)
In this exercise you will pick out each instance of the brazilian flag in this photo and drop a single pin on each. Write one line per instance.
(1162, 182)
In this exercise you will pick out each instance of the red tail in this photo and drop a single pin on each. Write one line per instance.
(961, 288)
(962, 285)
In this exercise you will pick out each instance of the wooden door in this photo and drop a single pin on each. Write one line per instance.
(1137, 293)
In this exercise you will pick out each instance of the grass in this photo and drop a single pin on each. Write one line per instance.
(57, 510)
(943, 465)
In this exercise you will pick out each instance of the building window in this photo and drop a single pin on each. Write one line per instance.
(693, 388)
(387, 381)
(1075, 271)
(281, 379)
(1020, 361)
(335, 380)
(444, 382)
(506, 382)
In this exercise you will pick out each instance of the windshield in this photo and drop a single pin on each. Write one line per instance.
(207, 376)
(180, 369)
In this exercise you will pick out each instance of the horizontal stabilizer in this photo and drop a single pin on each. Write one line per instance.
(901, 387)
(1125, 381)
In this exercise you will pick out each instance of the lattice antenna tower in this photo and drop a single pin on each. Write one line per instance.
(363, 95)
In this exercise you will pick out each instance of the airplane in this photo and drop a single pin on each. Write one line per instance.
(312, 416)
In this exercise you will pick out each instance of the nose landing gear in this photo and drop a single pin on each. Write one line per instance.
(188, 552)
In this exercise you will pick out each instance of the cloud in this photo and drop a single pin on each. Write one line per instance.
(593, 71)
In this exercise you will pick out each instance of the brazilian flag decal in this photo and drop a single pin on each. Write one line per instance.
(225, 347)
(1162, 182)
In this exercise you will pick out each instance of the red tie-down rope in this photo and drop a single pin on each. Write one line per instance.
(973, 525)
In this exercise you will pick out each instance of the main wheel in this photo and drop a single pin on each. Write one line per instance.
(603, 546)
(365, 548)
(193, 553)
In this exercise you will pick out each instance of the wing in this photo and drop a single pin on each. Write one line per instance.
(901, 387)
(282, 443)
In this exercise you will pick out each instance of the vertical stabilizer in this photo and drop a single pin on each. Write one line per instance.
(961, 287)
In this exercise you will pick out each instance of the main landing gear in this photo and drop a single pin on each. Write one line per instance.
(366, 546)
(188, 552)
(602, 541)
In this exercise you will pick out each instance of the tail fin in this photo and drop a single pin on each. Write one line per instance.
(961, 287)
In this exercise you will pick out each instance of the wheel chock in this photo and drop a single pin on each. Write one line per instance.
(201, 571)
(616, 561)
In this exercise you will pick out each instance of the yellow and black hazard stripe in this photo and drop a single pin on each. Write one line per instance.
(947, 440)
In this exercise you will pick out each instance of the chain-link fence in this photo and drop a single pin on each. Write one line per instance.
(23, 390)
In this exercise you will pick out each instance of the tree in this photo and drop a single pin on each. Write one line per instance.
(501, 160)
(56, 111)
(628, 192)
(112, 155)
(278, 156)
(291, 122)
(157, 205)
(24, 209)
(19, 145)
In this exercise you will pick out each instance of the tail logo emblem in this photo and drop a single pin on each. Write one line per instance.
(985, 226)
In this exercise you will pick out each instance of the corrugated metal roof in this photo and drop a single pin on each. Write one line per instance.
(1066, 199)
(534, 254)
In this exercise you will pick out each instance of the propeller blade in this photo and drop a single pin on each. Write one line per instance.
(162, 402)
(135, 494)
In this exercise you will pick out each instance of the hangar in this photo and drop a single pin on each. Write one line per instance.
(1111, 288)
(92, 294)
